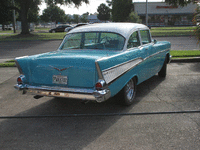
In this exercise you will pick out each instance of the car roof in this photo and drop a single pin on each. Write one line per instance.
(120, 28)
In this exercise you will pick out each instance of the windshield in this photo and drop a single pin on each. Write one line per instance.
(93, 40)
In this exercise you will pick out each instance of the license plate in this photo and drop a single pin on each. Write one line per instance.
(58, 79)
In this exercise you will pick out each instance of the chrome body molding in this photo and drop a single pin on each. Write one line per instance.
(112, 73)
(156, 54)
(99, 71)
(77, 93)
(18, 66)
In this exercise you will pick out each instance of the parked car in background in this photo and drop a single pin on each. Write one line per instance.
(78, 25)
(60, 28)
(96, 62)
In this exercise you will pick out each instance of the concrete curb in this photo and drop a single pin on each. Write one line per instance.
(4, 60)
(189, 60)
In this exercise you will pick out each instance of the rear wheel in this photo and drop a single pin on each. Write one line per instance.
(127, 94)
(163, 71)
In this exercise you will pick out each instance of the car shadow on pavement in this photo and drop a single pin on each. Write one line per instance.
(195, 67)
(57, 131)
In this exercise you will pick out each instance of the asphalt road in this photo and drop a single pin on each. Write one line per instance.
(10, 50)
(106, 125)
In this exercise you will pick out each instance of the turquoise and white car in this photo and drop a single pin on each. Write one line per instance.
(95, 62)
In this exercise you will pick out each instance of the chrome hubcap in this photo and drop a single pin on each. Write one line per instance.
(130, 90)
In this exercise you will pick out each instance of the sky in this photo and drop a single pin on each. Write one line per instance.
(91, 7)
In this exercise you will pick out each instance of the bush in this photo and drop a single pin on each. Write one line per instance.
(133, 17)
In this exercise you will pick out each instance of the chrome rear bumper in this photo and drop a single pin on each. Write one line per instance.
(77, 93)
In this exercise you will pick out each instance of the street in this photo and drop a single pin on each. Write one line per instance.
(10, 50)
(55, 123)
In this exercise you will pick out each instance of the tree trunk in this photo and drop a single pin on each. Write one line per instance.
(3, 27)
(25, 4)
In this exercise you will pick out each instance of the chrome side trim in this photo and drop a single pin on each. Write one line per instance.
(18, 66)
(156, 54)
(116, 71)
(99, 70)
(111, 73)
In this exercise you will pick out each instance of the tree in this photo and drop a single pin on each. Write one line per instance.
(33, 14)
(69, 18)
(23, 7)
(53, 13)
(133, 17)
(103, 12)
(180, 2)
(76, 18)
(121, 10)
(84, 18)
(196, 21)
(6, 16)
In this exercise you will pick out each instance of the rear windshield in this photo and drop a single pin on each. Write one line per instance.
(93, 40)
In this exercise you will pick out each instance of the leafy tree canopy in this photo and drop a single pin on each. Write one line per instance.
(133, 17)
(53, 13)
(180, 2)
(103, 12)
(23, 7)
(66, 2)
(5, 15)
(84, 17)
(76, 18)
(121, 10)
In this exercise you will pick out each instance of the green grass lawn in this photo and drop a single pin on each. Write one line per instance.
(185, 53)
(172, 31)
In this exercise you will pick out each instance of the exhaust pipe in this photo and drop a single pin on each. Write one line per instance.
(37, 96)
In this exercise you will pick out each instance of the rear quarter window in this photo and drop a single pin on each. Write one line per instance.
(145, 36)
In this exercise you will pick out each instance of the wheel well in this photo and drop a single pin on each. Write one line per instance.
(136, 78)
(167, 57)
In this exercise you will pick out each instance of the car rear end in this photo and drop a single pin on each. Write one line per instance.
(53, 74)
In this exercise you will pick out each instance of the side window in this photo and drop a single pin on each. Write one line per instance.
(133, 40)
(145, 36)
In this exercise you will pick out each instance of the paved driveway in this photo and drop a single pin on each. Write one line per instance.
(54, 125)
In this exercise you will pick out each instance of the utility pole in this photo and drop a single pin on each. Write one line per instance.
(14, 17)
(146, 12)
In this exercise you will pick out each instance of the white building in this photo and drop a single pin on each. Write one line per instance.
(162, 14)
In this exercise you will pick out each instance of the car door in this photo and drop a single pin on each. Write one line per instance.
(147, 53)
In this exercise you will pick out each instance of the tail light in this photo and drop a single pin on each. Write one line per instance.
(100, 84)
(20, 79)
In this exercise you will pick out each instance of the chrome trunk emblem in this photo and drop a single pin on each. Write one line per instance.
(60, 69)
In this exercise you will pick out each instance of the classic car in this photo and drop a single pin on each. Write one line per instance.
(60, 28)
(78, 25)
(95, 62)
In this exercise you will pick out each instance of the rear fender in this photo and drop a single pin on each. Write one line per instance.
(119, 83)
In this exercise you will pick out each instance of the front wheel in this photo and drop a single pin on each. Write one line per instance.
(163, 71)
(127, 94)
